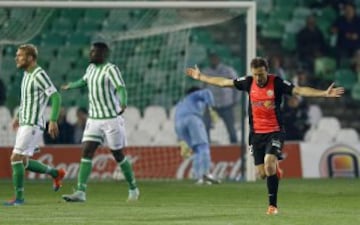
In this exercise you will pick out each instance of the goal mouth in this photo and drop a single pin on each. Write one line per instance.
(151, 42)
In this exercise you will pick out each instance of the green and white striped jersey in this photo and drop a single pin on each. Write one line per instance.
(36, 88)
(102, 81)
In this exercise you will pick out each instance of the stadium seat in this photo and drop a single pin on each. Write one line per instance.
(218, 134)
(314, 115)
(281, 14)
(72, 14)
(5, 115)
(325, 67)
(330, 125)
(355, 91)
(289, 41)
(52, 39)
(347, 135)
(132, 114)
(88, 26)
(71, 115)
(96, 14)
(139, 138)
(172, 113)
(168, 126)
(71, 53)
(47, 53)
(272, 29)
(78, 39)
(321, 136)
(301, 13)
(345, 78)
(165, 138)
(62, 25)
(154, 112)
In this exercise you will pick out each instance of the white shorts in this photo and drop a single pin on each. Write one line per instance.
(110, 130)
(28, 139)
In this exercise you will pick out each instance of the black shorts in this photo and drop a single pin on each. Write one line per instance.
(270, 143)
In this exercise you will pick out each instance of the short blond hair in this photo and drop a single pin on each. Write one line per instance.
(30, 50)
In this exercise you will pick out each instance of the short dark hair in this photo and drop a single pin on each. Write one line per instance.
(103, 46)
(259, 62)
(192, 89)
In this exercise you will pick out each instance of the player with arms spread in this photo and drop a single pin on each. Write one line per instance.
(103, 80)
(266, 128)
(36, 90)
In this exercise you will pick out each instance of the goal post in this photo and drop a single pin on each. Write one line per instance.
(145, 35)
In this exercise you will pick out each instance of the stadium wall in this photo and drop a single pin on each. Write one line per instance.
(303, 160)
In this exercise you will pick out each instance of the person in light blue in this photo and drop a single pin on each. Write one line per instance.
(190, 129)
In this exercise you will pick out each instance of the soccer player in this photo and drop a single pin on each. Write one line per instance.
(266, 128)
(36, 89)
(190, 128)
(104, 81)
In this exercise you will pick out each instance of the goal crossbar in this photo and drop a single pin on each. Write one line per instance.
(127, 4)
(249, 6)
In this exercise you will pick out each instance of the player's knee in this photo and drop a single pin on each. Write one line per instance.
(270, 169)
(89, 149)
(118, 155)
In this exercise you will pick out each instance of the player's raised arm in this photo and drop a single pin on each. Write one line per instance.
(331, 92)
(216, 80)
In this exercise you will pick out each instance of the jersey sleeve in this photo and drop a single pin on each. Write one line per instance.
(243, 83)
(115, 76)
(86, 75)
(285, 87)
(45, 84)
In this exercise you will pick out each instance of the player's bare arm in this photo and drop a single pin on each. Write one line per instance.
(53, 129)
(331, 92)
(15, 123)
(216, 80)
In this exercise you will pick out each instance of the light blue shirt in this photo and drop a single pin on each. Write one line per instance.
(194, 103)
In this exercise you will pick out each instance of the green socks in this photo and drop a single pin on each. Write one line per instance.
(126, 168)
(38, 167)
(84, 173)
(18, 174)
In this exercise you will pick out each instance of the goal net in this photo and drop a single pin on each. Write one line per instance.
(151, 42)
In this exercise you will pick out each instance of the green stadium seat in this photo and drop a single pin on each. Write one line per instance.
(47, 52)
(289, 41)
(286, 3)
(261, 17)
(345, 78)
(96, 14)
(203, 37)
(51, 39)
(272, 29)
(9, 50)
(78, 38)
(72, 14)
(325, 67)
(88, 26)
(59, 67)
(70, 52)
(355, 91)
(281, 15)
(62, 25)
(301, 13)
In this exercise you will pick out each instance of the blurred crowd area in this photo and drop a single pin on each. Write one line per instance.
(309, 42)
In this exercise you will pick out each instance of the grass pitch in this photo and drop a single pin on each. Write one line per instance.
(308, 202)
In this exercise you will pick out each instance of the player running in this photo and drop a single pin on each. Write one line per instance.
(266, 128)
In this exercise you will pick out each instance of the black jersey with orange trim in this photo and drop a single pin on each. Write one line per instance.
(264, 102)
